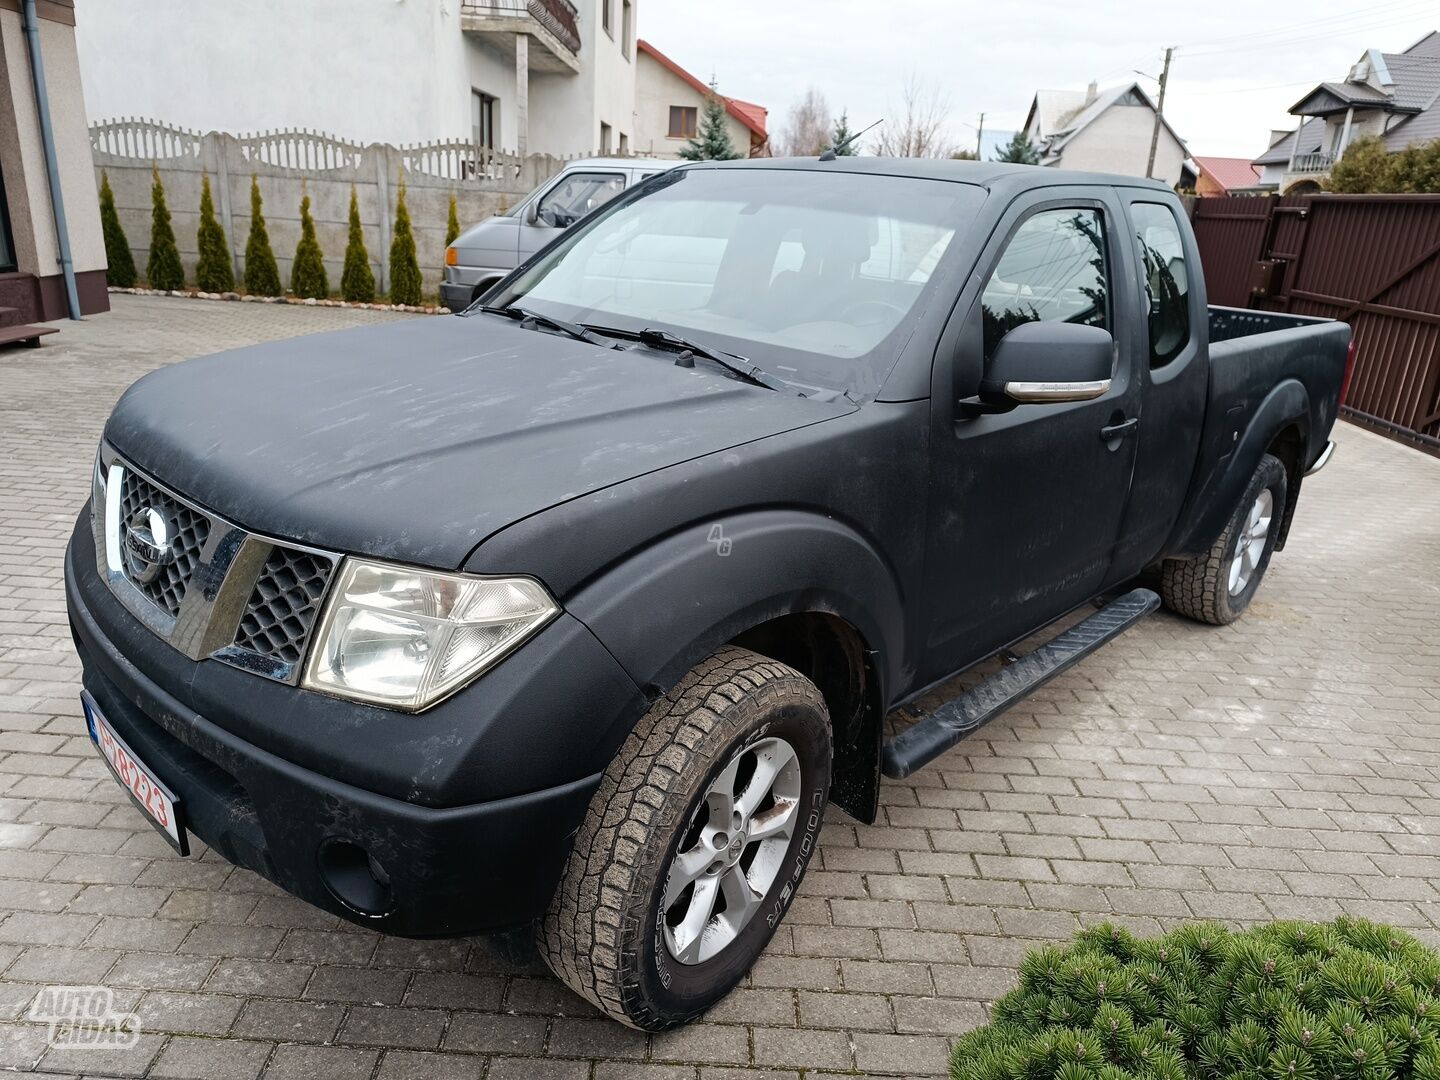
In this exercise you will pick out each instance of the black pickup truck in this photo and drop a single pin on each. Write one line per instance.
(569, 617)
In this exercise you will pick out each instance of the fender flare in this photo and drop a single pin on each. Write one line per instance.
(707, 583)
(1209, 509)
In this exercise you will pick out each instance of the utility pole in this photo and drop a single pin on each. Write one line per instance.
(979, 136)
(1159, 112)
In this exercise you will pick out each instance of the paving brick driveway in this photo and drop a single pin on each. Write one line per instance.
(1282, 767)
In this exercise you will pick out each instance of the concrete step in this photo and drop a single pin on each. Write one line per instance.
(9, 316)
(28, 335)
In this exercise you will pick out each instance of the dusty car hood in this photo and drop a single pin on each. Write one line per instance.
(414, 441)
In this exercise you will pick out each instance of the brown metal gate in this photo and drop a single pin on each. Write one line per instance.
(1370, 260)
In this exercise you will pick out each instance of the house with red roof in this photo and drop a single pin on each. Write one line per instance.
(669, 102)
(1224, 176)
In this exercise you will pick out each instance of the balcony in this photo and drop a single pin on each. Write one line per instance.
(1312, 163)
(552, 25)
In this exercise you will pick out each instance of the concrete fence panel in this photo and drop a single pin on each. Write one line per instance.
(291, 164)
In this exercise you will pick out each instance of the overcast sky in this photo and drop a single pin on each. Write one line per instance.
(1238, 66)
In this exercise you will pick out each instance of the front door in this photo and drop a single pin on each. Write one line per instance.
(569, 199)
(1027, 504)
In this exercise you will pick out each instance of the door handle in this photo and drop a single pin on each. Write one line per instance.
(1120, 430)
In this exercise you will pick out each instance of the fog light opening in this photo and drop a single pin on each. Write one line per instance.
(356, 878)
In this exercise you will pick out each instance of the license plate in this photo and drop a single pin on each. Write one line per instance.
(157, 801)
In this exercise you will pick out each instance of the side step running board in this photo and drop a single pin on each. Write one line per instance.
(925, 741)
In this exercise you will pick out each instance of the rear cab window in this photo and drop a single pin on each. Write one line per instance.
(1164, 278)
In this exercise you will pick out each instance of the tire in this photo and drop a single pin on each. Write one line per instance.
(607, 934)
(1207, 588)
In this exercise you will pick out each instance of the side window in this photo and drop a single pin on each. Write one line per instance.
(1052, 270)
(576, 195)
(1167, 285)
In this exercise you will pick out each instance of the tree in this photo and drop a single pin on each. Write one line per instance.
(1019, 151)
(163, 269)
(307, 270)
(919, 129)
(215, 272)
(712, 142)
(807, 130)
(452, 222)
(262, 276)
(841, 138)
(357, 281)
(1368, 167)
(405, 281)
(119, 260)
(964, 155)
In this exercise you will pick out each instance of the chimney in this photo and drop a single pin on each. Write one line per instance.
(1090, 92)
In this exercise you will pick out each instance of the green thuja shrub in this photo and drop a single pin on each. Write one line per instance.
(307, 271)
(452, 223)
(119, 259)
(262, 275)
(405, 282)
(357, 281)
(163, 269)
(215, 272)
(1346, 1000)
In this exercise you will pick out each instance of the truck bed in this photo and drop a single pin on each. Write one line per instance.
(1263, 365)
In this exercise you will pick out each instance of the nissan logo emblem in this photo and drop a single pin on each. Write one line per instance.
(147, 545)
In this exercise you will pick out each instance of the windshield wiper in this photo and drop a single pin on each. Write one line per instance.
(574, 330)
(737, 365)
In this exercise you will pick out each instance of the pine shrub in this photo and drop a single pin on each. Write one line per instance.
(405, 282)
(307, 270)
(215, 272)
(119, 259)
(163, 269)
(1345, 1000)
(712, 141)
(452, 222)
(262, 275)
(357, 280)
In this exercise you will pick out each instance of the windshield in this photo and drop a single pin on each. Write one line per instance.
(810, 274)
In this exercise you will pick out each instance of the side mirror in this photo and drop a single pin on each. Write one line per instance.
(1049, 362)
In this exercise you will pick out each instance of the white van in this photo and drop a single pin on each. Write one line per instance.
(484, 253)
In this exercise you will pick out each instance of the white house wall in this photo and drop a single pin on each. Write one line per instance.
(270, 64)
(1118, 141)
(656, 89)
(492, 72)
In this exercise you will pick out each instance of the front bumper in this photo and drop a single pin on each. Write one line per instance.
(446, 869)
(456, 297)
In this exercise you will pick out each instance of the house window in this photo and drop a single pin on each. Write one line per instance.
(604, 138)
(1053, 270)
(606, 20)
(627, 25)
(624, 144)
(482, 119)
(683, 121)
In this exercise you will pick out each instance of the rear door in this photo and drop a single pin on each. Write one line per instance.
(1171, 313)
(1026, 505)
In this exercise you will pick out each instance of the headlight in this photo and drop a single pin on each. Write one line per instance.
(406, 638)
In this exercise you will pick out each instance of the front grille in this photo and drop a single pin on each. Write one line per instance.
(188, 530)
(283, 604)
(255, 599)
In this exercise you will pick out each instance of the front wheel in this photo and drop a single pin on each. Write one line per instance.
(694, 843)
(1218, 586)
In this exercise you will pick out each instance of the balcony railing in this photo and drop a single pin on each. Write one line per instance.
(557, 16)
(1313, 163)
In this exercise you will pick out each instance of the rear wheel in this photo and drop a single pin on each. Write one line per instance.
(1218, 586)
(694, 844)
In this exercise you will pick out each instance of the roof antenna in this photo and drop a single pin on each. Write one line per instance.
(834, 151)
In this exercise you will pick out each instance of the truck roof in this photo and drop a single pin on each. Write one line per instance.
(983, 173)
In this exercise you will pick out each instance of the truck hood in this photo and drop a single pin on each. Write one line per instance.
(414, 441)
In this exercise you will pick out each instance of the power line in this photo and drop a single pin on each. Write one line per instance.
(1325, 23)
